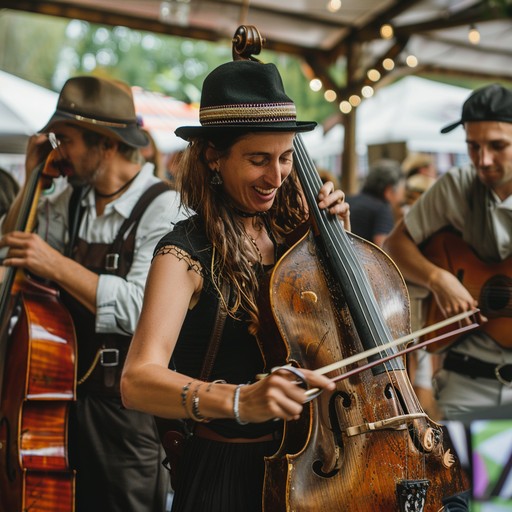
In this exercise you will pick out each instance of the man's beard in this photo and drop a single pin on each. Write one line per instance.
(89, 173)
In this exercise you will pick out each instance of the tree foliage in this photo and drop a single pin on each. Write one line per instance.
(30, 45)
(48, 50)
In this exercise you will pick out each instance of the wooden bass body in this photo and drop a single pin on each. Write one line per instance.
(368, 446)
(39, 385)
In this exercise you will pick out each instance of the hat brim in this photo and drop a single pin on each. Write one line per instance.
(189, 132)
(131, 134)
(451, 127)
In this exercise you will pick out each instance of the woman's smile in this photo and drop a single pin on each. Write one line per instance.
(266, 191)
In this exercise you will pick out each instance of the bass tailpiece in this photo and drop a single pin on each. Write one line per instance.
(412, 495)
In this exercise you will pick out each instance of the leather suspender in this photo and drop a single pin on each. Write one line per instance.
(218, 328)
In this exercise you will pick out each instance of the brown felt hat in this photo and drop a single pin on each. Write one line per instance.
(244, 96)
(101, 105)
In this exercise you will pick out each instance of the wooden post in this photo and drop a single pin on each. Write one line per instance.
(349, 170)
(349, 180)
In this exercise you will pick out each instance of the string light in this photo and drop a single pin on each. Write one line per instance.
(354, 100)
(373, 75)
(330, 95)
(411, 61)
(388, 64)
(473, 35)
(386, 31)
(367, 91)
(315, 84)
(334, 5)
(345, 107)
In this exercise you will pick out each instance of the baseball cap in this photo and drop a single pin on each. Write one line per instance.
(490, 103)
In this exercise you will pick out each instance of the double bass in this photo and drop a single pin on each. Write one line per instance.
(367, 446)
(37, 381)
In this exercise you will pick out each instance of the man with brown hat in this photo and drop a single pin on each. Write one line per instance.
(95, 238)
(475, 204)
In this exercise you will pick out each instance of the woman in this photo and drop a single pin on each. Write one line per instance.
(237, 175)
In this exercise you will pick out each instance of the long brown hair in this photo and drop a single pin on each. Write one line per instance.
(225, 229)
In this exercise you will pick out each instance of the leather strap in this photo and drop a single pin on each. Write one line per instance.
(475, 368)
(204, 432)
(188, 426)
(218, 328)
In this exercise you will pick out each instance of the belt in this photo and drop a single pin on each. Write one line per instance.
(474, 368)
(207, 433)
(104, 374)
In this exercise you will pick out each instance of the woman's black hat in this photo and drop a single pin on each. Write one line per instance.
(244, 95)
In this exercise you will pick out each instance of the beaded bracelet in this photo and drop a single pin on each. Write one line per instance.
(184, 394)
(196, 415)
(236, 405)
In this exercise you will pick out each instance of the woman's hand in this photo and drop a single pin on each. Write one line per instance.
(334, 201)
(278, 396)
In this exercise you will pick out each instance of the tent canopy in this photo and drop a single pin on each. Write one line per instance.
(324, 32)
(412, 111)
(24, 109)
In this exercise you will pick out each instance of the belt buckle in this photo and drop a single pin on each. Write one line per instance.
(111, 353)
(112, 261)
(500, 379)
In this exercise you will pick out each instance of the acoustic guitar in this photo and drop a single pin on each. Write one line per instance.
(489, 284)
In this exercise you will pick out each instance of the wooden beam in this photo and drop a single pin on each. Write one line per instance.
(114, 18)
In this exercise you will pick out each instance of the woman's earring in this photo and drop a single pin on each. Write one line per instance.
(216, 178)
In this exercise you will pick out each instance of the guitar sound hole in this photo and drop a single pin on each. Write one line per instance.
(496, 296)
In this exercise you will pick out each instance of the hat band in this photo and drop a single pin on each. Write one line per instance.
(247, 113)
(100, 123)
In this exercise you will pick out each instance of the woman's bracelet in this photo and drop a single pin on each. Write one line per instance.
(184, 396)
(236, 405)
(195, 414)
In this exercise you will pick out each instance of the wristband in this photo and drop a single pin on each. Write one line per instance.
(236, 405)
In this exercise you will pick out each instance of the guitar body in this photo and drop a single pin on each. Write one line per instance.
(489, 284)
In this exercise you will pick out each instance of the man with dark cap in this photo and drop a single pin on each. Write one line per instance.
(469, 210)
(95, 238)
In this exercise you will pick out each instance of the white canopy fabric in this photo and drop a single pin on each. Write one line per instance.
(412, 110)
(24, 109)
